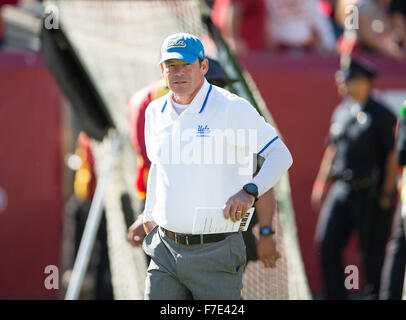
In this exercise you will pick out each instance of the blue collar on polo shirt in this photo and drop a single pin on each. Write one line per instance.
(198, 103)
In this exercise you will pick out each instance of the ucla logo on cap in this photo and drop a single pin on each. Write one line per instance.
(176, 44)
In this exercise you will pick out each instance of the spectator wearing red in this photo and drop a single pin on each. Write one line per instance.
(299, 25)
(242, 23)
(376, 32)
(328, 9)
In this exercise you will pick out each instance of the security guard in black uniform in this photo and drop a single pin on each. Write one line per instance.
(359, 165)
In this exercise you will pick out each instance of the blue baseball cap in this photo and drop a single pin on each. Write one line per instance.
(182, 46)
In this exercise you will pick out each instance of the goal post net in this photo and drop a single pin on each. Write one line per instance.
(118, 43)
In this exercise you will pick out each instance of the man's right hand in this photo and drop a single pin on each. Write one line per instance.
(136, 233)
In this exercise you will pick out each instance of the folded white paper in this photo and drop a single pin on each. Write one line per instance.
(211, 220)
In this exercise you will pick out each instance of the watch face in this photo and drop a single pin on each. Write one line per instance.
(251, 188)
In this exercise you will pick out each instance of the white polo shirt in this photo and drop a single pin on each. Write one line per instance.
(201, 157)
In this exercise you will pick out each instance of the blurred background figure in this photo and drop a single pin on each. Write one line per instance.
(393, 272)
(328, 9)
(298, 25)
(360, 164)
(375, 30)
(274, 24)
(97, 283)
(379, 27)
(242, 23)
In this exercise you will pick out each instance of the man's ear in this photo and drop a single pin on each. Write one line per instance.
(205, 66)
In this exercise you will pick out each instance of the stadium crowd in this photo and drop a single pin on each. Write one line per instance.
(325, 26)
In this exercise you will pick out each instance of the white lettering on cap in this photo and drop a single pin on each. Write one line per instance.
(176, 44)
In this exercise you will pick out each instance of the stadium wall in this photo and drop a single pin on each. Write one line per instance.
(30, 176)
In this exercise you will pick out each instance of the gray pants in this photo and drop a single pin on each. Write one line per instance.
(207, 271)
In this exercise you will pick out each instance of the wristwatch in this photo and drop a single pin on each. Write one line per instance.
(252, 189)
(266, 231)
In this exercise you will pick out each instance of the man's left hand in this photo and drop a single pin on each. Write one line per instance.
(238, 205)
(267, 252)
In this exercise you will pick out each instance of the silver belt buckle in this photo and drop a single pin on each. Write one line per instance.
(187, 240)
(176, 238)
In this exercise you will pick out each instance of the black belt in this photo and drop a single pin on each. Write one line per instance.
(359, 184)
(190, 239)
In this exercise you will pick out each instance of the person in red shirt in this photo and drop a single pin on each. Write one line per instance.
(242, 23)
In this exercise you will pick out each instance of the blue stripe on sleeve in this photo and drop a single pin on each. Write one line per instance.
(268, 144)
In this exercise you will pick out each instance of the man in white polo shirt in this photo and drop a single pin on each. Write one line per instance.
(202, 142)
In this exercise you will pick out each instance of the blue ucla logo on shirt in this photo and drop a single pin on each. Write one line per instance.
(203, 131)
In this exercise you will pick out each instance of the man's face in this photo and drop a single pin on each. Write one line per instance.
(184, 78)
(358, 87)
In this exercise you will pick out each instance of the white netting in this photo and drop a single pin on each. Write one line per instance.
(118, 43)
